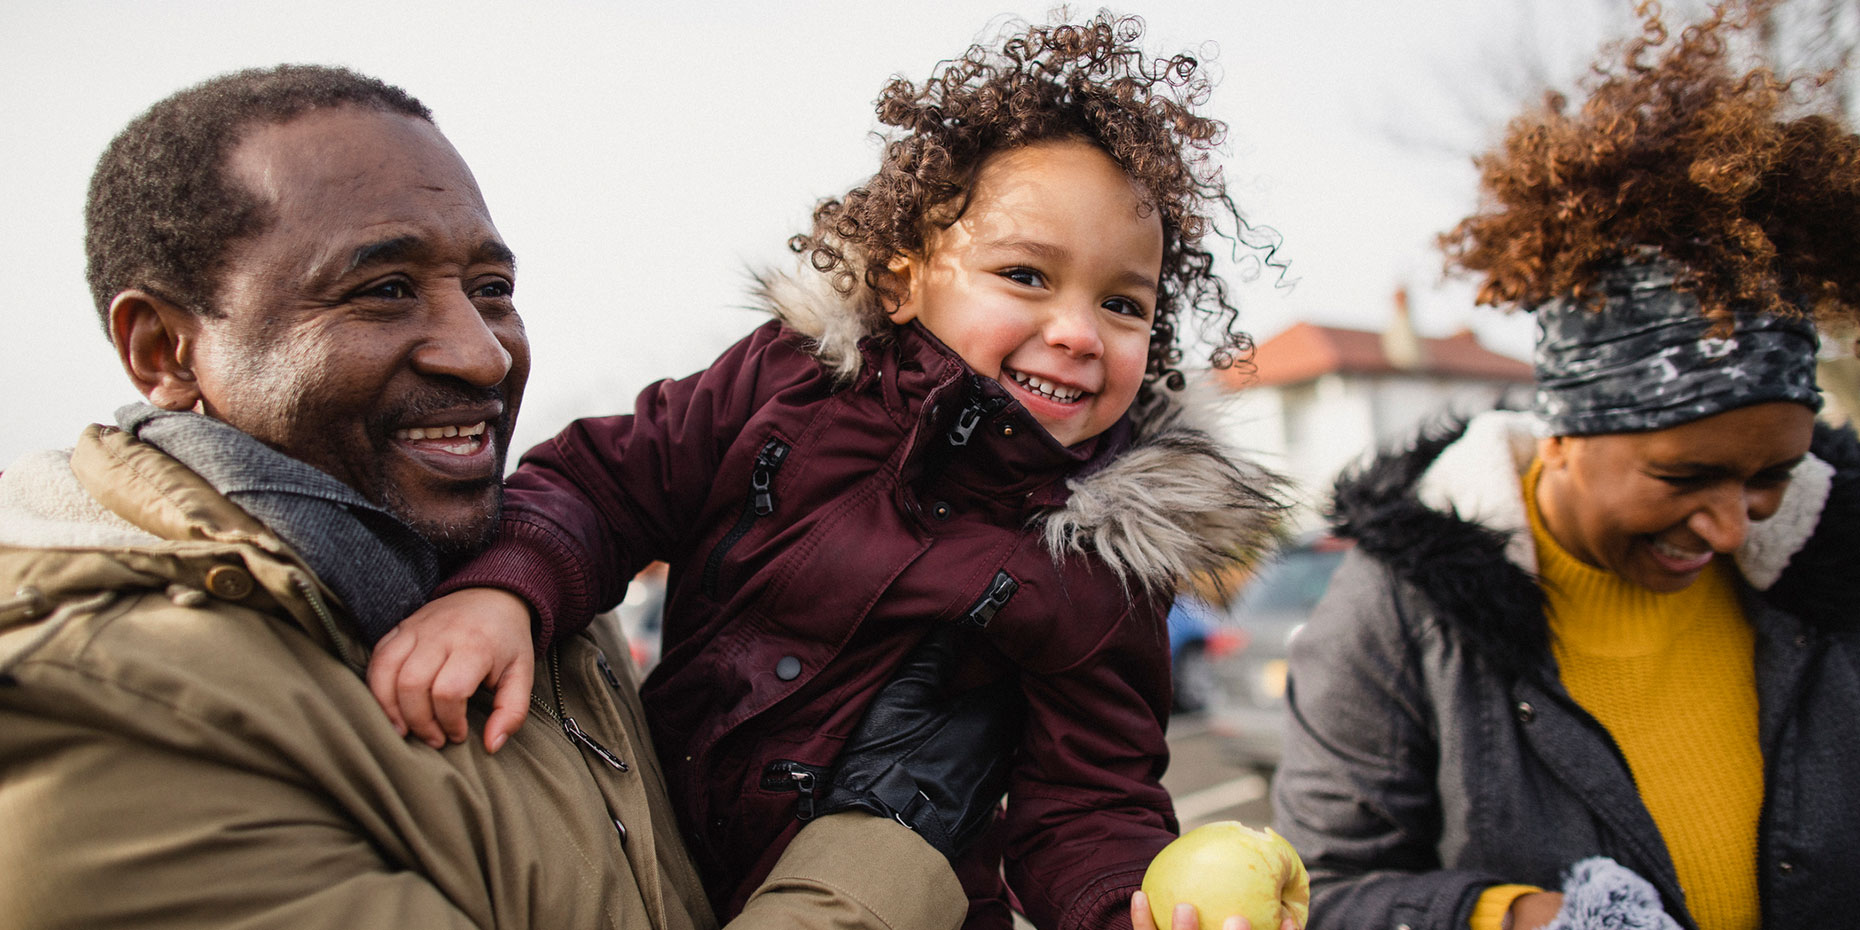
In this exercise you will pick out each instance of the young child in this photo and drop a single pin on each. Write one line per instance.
(965, 412)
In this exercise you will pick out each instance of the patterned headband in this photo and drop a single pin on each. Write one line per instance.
(1646, 360)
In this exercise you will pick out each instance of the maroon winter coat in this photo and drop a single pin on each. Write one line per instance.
(822, 498)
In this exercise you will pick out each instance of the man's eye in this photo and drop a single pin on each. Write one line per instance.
(494, 289)
(386, 290)
(1026, 276)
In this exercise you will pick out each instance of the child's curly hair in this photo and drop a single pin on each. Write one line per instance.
(1089, 81)
(1703, 166)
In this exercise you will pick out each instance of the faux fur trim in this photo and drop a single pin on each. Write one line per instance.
(1178, 502)
(43, 506)
(834, 323)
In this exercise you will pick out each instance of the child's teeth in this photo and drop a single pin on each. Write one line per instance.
(1043, 386)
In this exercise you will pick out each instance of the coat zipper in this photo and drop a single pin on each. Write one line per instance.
(760, 504)
(323, 616)
(996, 597)
(973, 410)
(799, 777)
(571, 729)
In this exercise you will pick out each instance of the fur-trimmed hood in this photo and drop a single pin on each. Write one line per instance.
(1446, 515)
(1179, 501)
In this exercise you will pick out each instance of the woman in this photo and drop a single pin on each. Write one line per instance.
(1603, 656)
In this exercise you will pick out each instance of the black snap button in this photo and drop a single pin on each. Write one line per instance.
(788, 669)
(1526, 713)
(1785, 867)
(229, 582)
(622, 830)
(940, 510)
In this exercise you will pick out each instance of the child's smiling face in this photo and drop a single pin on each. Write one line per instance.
(1047, 283)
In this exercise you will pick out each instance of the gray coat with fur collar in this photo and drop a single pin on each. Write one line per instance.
(1432, 752)
(824, 492)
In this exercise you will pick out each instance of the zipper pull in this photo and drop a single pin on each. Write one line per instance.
(804, 779)
(984, 610)
(966, 422)
(580, 736)
(763, 477)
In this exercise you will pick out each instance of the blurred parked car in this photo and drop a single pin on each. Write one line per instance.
(1199, 637)
(1264, 615)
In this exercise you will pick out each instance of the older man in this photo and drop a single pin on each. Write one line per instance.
(298, 272)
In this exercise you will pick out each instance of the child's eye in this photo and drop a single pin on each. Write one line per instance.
(1124, 306)
(1026, 276)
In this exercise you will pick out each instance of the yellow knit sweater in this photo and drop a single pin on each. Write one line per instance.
(1673, 678)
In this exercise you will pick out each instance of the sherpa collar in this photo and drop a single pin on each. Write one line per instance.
(1178, 501)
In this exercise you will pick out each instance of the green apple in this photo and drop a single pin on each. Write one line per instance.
(1228, 868)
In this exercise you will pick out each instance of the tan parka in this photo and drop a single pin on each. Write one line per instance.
(186, 741)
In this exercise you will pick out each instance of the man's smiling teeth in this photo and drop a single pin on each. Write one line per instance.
(440, 432)
(1045, 388)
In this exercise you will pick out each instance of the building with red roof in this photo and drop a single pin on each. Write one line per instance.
(1317, 398)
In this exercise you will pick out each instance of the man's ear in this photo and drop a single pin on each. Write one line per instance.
(904, 270)
(155, 340)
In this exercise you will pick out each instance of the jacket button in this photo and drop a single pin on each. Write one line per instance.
(1786, 867)
(622, 830)
(788, 669)
(940, 510)
(1526, 713)
(229, 582)
(1007, 429)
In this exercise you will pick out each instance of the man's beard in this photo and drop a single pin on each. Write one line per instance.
(454, 541)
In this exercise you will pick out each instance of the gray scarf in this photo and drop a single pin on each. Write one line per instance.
(377, 565)
(1647, 360)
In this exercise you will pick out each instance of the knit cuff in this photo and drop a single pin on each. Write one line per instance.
(530, 561)
(1495, 902)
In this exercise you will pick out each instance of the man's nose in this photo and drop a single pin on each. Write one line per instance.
(463, 345)
(1073, 326)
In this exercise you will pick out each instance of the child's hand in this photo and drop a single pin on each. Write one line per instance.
(1184, 918)
(426, 668)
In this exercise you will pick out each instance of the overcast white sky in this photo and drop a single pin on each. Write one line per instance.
(640, 158)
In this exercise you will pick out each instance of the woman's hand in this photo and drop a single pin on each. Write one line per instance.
(1184, 917)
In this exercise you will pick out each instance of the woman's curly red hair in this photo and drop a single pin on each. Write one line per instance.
(1754, 193)
(1089, 81)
